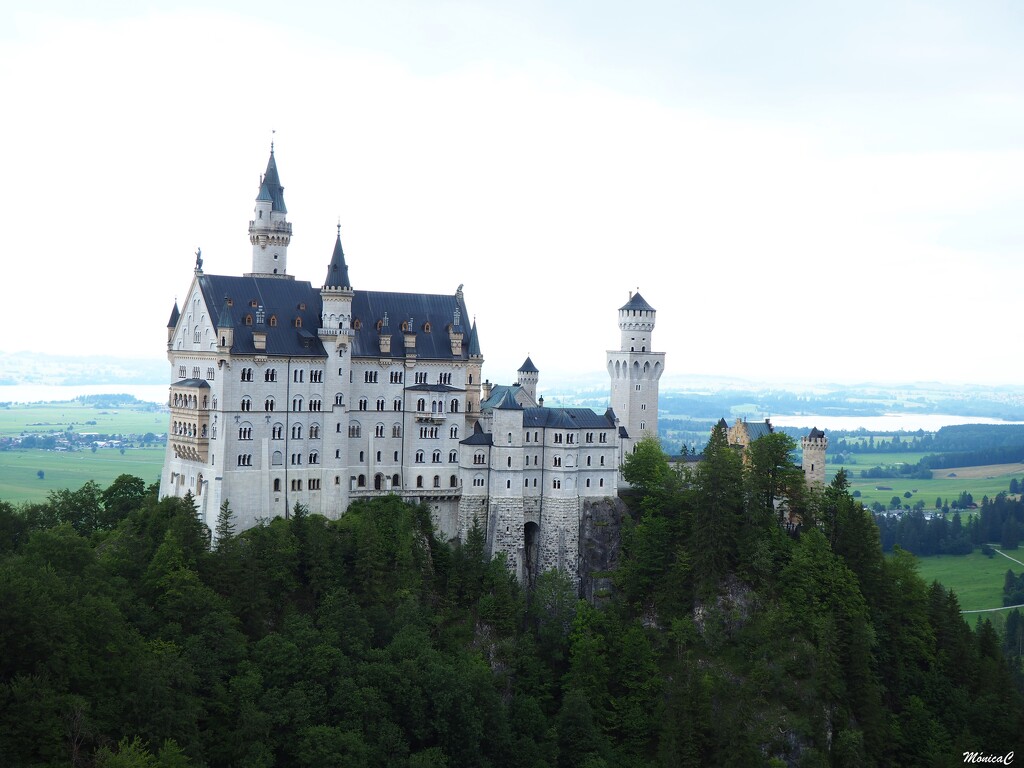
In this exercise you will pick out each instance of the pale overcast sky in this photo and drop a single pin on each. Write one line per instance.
(804, 192)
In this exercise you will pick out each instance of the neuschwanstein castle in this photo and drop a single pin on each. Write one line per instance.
(284, 393)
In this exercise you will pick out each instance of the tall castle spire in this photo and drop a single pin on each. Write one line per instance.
(269, 230)
(337, 270)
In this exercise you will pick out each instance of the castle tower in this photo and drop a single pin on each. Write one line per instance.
(336, 334)
(814, 447)
(528, 378)
(269, 231)
(172, 323)
(634, 369)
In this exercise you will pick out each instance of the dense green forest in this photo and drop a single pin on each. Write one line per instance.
(128, 639)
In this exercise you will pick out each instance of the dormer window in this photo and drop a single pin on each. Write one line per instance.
(253, 303)
(405, 326)
(357, 324)
(426, 327)
(248, 319)
(298, 322)
(273, 321)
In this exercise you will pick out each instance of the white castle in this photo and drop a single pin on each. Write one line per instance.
(287, 394)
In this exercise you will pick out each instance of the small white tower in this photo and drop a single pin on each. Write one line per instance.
(814, 447)
(529, 376)
(269, 231)
(634, 370)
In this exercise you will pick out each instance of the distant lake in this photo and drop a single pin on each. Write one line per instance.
(45, 393)
(890, 422)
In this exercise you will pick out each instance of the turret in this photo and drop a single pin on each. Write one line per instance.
(635, 369)
(529, 377)
(636, 324)
(269, 231)
(172, 324)
(225, 328)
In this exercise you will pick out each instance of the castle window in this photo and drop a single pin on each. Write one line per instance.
(182, 372)
(455, 406)
(248, 319)
(296, 432)
(314, 458)
(604, 437)
(435, 457)
(396, 405)
(453, 481)
(601, 482)
(297, 375)
(643, 425)
(378, 431)
(588, 482)
(419, 481)
(643, 406)
(437, 481)
(527, 437)
(246, 404)
(197, 336)
(557, 461)
(314, 405)
(510, 462)
(277, 484)
(276, 432)
(395, 481)
(268, 404)
(314, 431)
(421, 405)
(298, 322)
(362, 456)
(273, 321)
(588, 461)
(453, 456)
(602, 461)
(296, 403)
(361, 482)
(357, 324)
(380, 404)
(556, 484)
(479, 458)
(419, 457)
(354, 429)
(362, 403)
(426, 327)
(478, 482)
(510, 438)
(453, 433)
(396, 430)
(378, 456)
(508, 483)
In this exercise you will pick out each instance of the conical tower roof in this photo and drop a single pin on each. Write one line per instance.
(175, 314)
(270, 187)
(337, 270)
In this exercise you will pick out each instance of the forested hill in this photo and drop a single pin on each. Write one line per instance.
(126, 640)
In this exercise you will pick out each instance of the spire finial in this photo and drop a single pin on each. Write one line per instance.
(339, 227)
(272, 132)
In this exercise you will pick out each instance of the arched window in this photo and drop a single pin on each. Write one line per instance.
(396, 405)
(419, 457)
(435, 457)
(455, 405)
(421, 404)
(396, 430)
(419, 481)
(314, 431)
(268, 404)
(361, 482)
(378, 431)
(453, 456)
(246, 404)
(453, 481)
(453, 433)
(354, 429)
(296, 403)
(437, 481)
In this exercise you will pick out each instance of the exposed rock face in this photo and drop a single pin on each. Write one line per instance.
(599, 544)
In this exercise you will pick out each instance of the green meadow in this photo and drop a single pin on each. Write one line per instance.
(976, 579)
(19, 470)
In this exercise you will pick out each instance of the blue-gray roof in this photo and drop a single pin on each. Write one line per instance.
(507, 401)
(284, 300)
(498, 392)
(195, 383)
(175, 314)
(528, 366)
(566, 418)
(758, 429)
(636, 301)
(421, 310)
(479, 437)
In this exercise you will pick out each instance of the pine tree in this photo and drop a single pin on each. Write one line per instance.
(225, 530)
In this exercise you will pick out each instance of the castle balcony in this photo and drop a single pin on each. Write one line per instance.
(190, 448)
(431, 418)
(274, 227)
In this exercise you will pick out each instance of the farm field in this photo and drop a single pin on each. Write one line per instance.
(19, 479)
(978, 481)
(976, 579)
(43, 418)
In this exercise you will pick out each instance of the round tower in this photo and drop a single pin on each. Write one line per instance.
(634, 369)
(269, 231)
(814, 445)
(529, 376)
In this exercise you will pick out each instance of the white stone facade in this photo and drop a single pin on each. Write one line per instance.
(284, 393)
